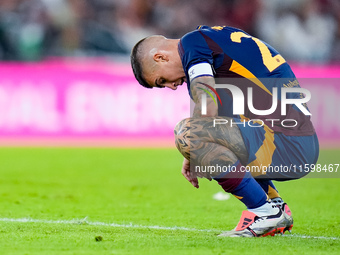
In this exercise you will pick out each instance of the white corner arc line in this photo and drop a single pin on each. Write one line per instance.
(96, 223)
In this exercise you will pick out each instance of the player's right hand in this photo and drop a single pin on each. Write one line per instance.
(189, 176)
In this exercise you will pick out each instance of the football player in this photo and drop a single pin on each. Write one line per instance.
(254, 149)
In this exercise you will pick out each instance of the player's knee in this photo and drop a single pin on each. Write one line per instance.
(182, 135)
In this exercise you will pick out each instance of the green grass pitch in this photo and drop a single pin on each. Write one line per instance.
(72, 196)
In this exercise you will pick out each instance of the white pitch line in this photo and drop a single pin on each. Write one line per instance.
(86, 222)
(312, 237)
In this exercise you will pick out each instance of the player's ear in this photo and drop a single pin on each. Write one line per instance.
(161, 56)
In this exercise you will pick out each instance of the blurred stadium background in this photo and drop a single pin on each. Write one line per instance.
(65, 77)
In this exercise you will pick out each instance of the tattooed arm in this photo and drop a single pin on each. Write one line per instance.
(203, 144)
(200, 86)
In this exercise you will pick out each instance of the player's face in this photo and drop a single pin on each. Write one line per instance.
(166, 74)
(168, 79)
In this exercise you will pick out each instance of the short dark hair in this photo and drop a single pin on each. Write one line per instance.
(136, 64)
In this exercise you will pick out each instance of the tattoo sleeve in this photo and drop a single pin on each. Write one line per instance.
(197, 137)
(198, 87)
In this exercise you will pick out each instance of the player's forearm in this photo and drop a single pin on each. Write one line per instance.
(201, 88)
(211, 110)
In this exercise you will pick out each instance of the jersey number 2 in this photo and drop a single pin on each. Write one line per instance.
(268, 60)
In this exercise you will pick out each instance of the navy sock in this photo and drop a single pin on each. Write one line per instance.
(243, 186)
(268, 187)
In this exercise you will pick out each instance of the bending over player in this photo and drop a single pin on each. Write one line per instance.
(256, 141)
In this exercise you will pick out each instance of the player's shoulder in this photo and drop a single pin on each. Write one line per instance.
(191, 36)
(205, 31)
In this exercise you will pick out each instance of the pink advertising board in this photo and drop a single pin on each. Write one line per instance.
(90, 100)
(97, 100)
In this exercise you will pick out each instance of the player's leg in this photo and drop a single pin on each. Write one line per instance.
(292, 152)
(266, 149)
(205, 145)
(283, 152)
